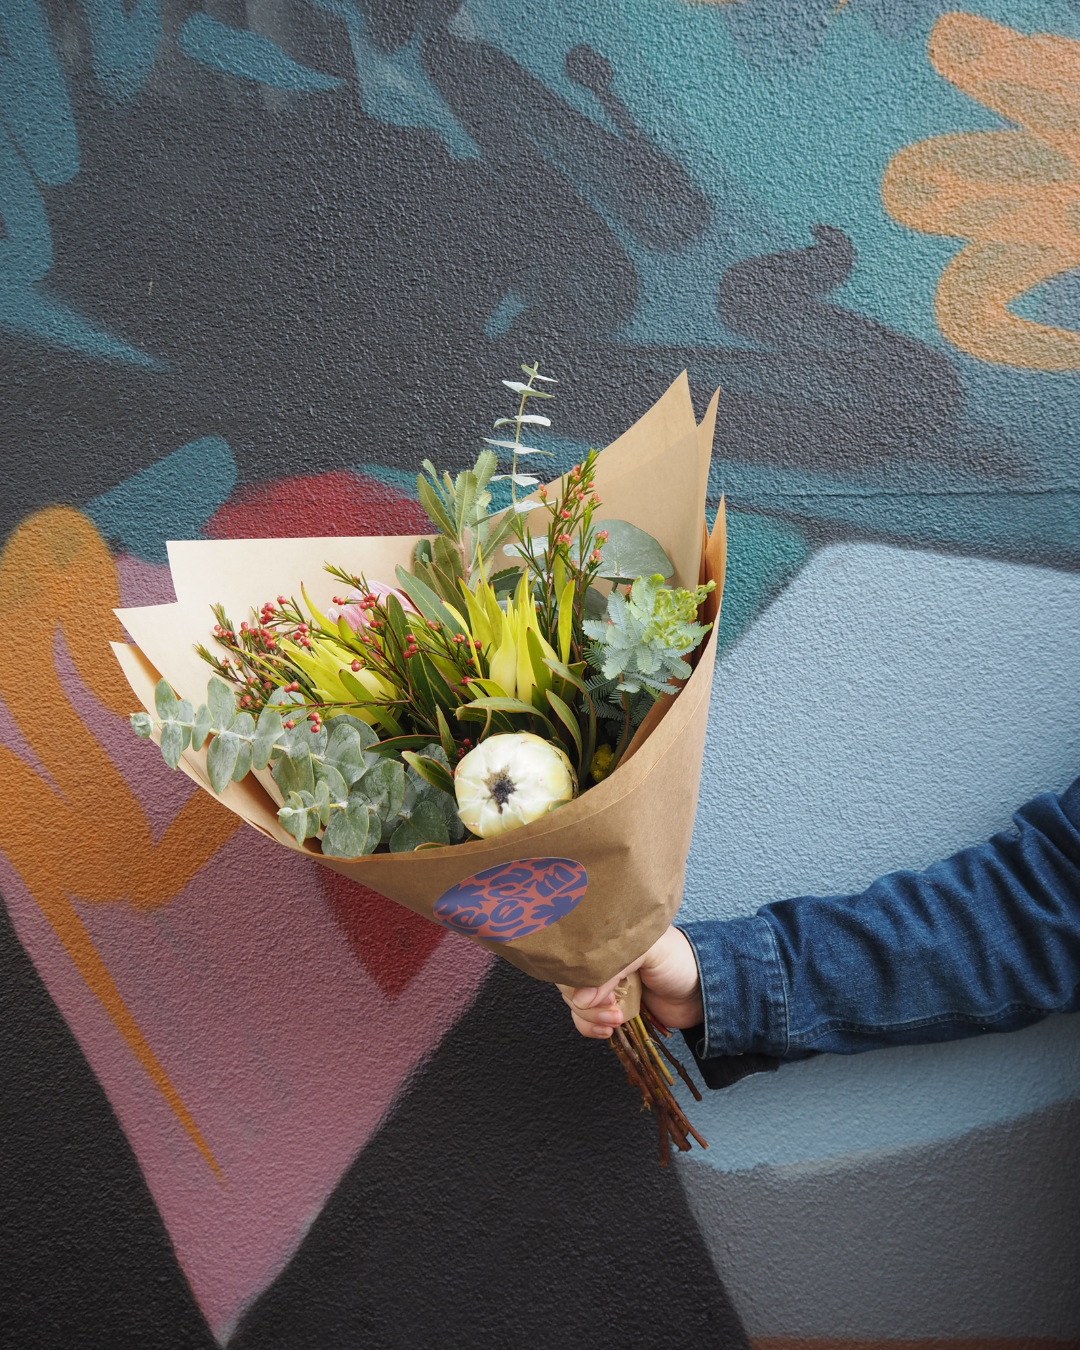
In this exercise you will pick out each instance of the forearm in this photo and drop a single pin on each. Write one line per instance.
(988, 940)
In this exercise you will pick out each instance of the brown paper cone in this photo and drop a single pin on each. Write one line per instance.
(631, 832)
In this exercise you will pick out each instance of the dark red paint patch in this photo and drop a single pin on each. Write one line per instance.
(390, 942)
(514, 899)
(338, 503)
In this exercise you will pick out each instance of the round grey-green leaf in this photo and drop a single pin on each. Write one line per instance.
(221, 759)
(165, 701)
(629, 553)
(353, 831)
(222, 703)
(142, 724)
(172, 743)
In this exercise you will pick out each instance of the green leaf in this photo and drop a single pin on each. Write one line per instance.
(142, 724)
(294, 772)
(431, 771)
(345, 755)
(392, 748)
(504, 705)
(268, 731)
(165, 701)
(426, 601)
(429, 500)
(352, 831)
(405, 838)
(244, 728)
(327, 774)
(172, 743)
(383, 788)
(322, 801)
(563, 712)
(300, 816)
(201, 728)
(427, 820)
(429, 685)
(446, 739)
(629, 553)
(221, 759)
(222, 703)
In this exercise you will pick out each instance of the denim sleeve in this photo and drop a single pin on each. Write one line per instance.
(988, 940)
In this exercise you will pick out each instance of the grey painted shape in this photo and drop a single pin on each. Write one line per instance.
(887, 708)
(979, 1236)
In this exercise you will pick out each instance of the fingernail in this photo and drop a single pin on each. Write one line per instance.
(601, 1032)
(611, 1017)
(583, 998)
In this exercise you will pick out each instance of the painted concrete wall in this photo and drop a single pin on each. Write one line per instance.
(258, 258)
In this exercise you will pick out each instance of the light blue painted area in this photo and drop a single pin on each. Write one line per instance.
(394, 86)
(172, 499)
(1037, 516)
(497, 324)
(34, 101)
(124, 43)
(239, 51)
(763, 555)
(887, 709)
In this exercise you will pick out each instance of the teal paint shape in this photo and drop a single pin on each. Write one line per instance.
(763, 556)
(251, 56)
(172, 499)
(394, 87)
(34, 100)
(124, 43)
(497, 324)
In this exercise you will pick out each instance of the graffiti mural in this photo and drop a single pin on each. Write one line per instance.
(259, 257)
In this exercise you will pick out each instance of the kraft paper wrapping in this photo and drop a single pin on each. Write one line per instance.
(631, 832)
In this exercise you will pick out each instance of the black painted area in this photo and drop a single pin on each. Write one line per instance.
(514, 1199)
(85, 1261)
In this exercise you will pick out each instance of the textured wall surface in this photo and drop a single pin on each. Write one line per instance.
(257, 258)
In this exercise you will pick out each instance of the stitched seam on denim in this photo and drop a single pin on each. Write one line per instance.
(914, 1023)
(782, 1004)
(706, 1051)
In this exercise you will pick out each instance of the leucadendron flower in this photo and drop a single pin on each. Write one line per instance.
(511, 780)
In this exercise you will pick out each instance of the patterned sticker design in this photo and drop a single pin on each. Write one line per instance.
(514, 899)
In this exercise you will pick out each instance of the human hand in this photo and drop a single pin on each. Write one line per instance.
(670, 989)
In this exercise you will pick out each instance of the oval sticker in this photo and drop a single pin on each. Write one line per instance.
(514, 899)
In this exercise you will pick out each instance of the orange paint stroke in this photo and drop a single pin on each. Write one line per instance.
(88, 836)
(1013, 195)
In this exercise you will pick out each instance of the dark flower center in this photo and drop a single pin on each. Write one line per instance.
(502, 788)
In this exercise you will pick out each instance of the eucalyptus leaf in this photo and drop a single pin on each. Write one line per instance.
(383, 787)
(300, 816)
(142, 724)
(268, 731)
(427, 820)
(201, 728)
(327, 774)
(165, 701)
(629, 553)
(172, 743)
(222, 703)
(322, 800)
(405, 838)
(221, 759)
(352, 831)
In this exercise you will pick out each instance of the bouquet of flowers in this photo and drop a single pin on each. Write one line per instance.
(499, 725)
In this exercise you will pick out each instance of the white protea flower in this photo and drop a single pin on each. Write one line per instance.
(510, 780)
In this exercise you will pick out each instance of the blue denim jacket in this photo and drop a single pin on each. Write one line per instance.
(988, 940)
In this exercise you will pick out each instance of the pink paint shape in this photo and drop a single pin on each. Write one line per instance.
(286, 1050)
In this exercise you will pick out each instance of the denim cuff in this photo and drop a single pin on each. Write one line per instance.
(742, 988)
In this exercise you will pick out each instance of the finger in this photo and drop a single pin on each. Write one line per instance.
(594, 1031)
